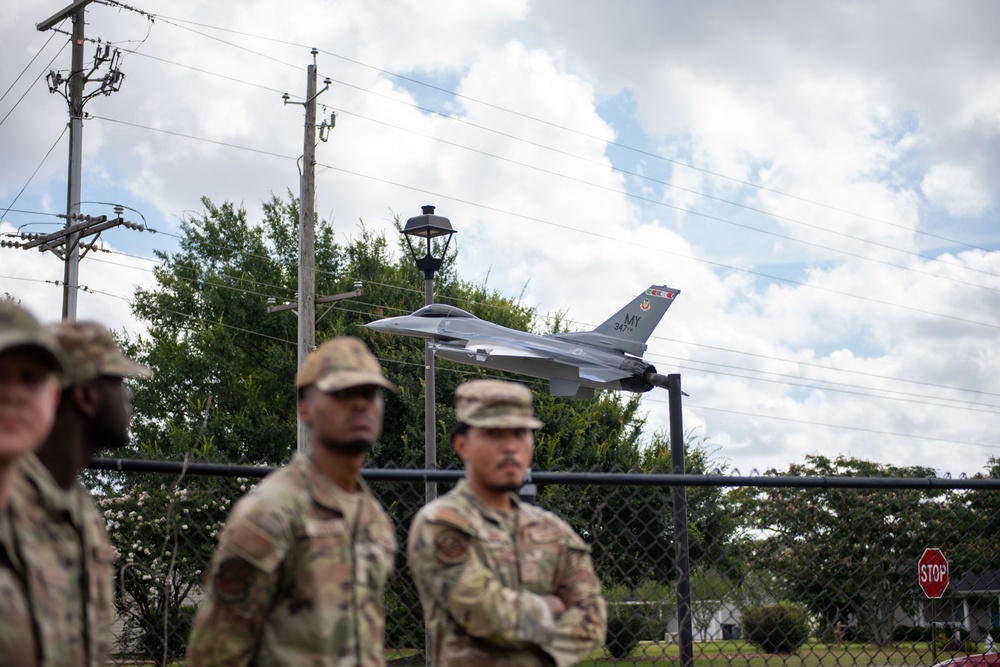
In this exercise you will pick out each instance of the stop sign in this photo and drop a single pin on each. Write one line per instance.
(932, 573)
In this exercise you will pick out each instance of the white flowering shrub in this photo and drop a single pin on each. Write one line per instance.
(165, 531)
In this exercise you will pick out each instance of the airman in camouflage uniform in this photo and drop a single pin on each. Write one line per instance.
(502, 583)
(61, 534)
(299, 575)
(30, 367)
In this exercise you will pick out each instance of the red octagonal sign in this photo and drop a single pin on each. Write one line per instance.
(932, 573)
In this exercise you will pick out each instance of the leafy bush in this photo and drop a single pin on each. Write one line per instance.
(778, 628)
(627, 626)
(955, 639)
(178, 630)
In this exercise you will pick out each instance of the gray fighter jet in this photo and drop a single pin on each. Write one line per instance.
(575, 364)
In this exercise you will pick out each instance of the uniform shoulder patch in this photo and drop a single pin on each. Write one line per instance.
(451, 547)
(233, 580)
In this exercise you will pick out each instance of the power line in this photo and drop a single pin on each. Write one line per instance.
(255, 283)
(707, 216)
(691, 406)
(40, 75)
(850, 389)
(831, 368)
(811, 383)
(19, 210)
(189, 136)
(567, 227)
(604, 141)
(176, 24)
(853, 389)
(200, 281)
(444, 297)
(204, 71)
(647, 178)
(795, 362)
(825, 425)
(659, 250)
(28, 182)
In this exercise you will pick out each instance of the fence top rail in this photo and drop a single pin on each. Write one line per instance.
(574, 478)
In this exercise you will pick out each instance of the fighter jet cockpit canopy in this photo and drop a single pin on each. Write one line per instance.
(441, 310)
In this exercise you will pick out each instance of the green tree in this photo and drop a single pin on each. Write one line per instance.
(981, 547)
(847, 553)
(221, 388)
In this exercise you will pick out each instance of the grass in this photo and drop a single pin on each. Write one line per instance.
(389, 655)
(743, 654)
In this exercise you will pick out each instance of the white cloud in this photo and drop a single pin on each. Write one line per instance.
(955, 188)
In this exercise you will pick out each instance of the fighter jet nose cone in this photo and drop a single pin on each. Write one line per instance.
(387, 325)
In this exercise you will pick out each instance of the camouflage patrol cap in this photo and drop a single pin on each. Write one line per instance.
(19, 328)
(341, 363)
(495, 404)
(91, 351)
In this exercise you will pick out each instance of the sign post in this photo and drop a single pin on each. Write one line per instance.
(932, 575)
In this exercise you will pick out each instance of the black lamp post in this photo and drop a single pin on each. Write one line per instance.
(422, 229)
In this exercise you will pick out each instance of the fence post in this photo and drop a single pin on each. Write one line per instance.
(685, 636)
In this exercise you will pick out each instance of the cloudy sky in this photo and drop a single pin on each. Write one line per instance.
(820, 180)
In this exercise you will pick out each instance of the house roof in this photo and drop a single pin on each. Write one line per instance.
(985, 581)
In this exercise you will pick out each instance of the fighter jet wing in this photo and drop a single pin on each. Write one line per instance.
(491, 347)
(596, 374)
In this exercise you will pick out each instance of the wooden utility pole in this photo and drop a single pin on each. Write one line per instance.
(71, 264)
(307, 231)
(75, 98)
(71, 267)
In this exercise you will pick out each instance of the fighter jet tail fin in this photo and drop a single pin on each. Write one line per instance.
(629, 329)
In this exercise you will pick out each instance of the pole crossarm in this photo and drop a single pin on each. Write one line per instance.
(292, 305)
(63, 13)
(71, 236)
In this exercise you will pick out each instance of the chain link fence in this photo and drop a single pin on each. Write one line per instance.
(778, 570)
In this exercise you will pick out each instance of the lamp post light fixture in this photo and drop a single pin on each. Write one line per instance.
(422, 229)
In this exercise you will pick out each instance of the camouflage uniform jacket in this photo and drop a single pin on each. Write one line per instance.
(292, 583)
(17, 636)
(69, 561)
(481, 578)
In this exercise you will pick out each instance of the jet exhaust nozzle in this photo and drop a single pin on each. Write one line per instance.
(641, 372)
